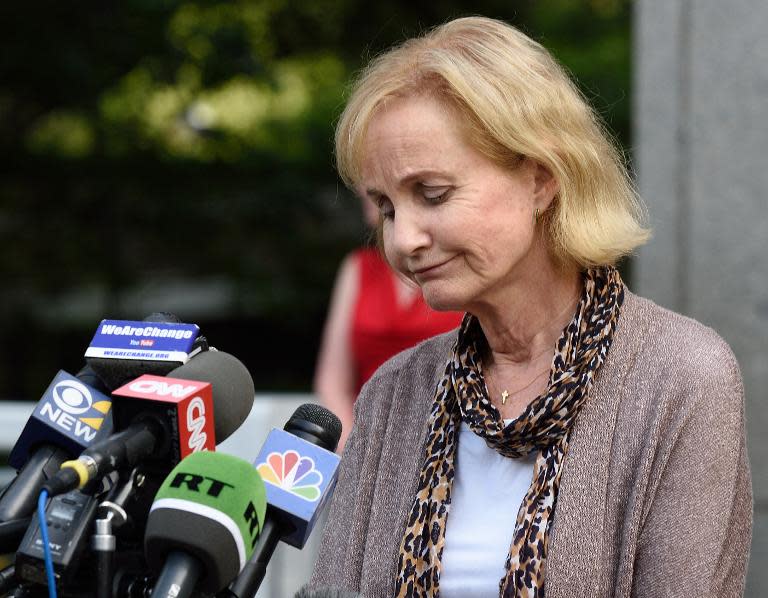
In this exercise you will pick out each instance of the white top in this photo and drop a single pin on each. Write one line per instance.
(486, 495)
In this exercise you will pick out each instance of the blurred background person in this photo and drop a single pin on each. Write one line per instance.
(374, 314)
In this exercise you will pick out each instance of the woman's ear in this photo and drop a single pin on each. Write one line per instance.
(546, 186)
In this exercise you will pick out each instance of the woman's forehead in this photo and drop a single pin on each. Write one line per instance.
(411, 135)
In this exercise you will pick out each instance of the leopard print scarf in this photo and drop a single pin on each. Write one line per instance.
(544, 427)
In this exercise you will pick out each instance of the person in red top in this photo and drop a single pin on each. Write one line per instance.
(374, 314)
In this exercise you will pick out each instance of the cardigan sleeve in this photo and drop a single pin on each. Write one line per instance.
(342, 550)
(695, 537)
(337, 565)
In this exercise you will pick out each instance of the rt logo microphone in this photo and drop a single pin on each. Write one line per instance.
(199, 483)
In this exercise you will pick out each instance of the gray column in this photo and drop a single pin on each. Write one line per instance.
(701, 152)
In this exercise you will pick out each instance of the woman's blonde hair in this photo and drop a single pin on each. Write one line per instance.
(514, 101)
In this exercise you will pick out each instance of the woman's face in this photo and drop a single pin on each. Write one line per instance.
(454, 221)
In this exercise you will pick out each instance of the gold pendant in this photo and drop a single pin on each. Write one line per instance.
(504, 395)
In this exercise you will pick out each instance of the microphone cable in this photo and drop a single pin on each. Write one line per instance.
(46, 547)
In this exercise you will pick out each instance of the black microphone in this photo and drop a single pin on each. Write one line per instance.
(70, 416)
(325, 592)
(298, 466)
(159, 420)
(88, 376)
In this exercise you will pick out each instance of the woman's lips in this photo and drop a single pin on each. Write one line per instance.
(430, 271)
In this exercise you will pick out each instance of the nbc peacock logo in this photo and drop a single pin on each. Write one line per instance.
(293, 473)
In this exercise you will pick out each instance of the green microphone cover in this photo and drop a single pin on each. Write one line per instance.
(211, 506)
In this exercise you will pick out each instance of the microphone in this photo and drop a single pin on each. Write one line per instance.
(160, 420)
(87, 376)
(325, 592)
(299, 467)
(122, 350)
(69, 418)
(233, 389)
(203, 524)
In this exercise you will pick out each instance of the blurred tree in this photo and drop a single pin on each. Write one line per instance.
(177, 154)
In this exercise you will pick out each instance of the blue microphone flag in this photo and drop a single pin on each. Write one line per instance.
(299, 478)
(150, 341)
(70, 415)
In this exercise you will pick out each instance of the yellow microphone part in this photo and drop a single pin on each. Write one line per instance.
(93, 422)
(80, 469)
(102, 406)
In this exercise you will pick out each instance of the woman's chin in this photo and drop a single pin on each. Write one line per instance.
(442, 300)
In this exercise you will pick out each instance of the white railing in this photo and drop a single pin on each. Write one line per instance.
(289, 568)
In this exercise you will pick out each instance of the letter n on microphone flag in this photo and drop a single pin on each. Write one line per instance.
(299, 478)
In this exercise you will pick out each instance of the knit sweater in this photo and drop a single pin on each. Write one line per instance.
(655, 497)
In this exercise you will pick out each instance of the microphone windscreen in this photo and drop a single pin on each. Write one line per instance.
(163, 316)
(114, 373)
(233, 390)
(316, 424)
(211, 506)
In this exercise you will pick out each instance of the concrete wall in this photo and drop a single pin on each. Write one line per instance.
(701, 151)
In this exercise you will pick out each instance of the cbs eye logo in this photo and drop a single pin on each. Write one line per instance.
(72, 397)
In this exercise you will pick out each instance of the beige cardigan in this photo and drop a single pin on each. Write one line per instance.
(655, 498)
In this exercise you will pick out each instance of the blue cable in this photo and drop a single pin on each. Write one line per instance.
(46, 548)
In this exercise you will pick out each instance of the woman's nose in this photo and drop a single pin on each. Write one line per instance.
(409, 232)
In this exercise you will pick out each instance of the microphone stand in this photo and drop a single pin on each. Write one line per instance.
(248, 581)
(103, 541)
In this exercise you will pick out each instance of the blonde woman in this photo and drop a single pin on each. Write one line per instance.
(571, 437)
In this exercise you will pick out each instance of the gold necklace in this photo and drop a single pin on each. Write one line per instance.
(505, 394)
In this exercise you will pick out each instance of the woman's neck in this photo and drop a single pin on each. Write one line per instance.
(523, 326)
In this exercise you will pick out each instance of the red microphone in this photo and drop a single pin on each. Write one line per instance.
(184, 408)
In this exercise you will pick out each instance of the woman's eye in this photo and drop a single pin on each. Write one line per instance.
(434, 195)
(386, 209)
